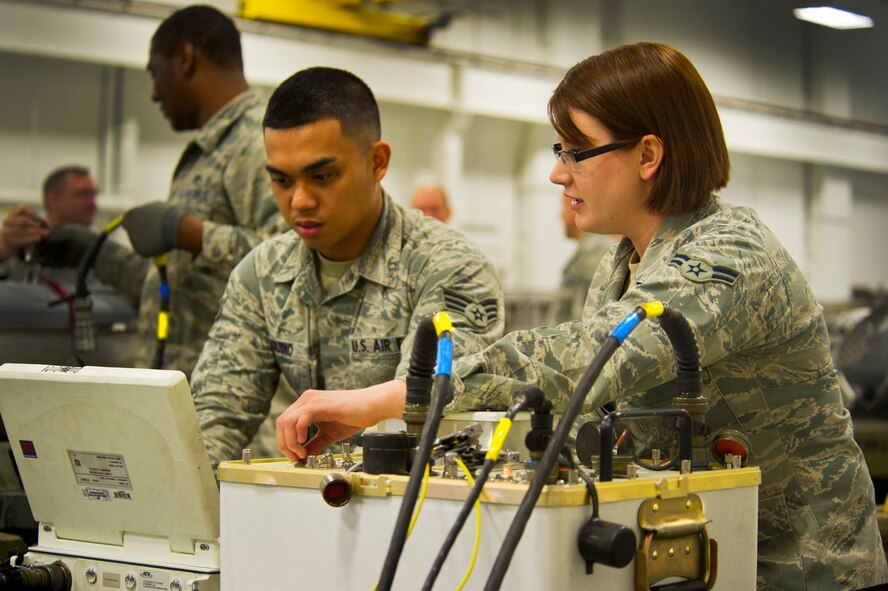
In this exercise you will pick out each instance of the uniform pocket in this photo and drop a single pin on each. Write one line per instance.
(779, 560)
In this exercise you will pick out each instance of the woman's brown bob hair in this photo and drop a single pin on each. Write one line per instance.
(650, 88)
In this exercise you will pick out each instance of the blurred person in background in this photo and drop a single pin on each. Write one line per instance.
(576, 276)
(69, 197)
(431, 200)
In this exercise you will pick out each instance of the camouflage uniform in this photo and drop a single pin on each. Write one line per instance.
(276, 320)
(221, 179)
(767, 373)
(567, 304)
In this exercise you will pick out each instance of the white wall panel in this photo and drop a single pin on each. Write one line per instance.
(507, 96)
(774, 188)
(738, 53)
(85, 35)
(869, 232)
(49, 116)
(492, 195)
(271, 60)
(412, 133)
(158, 146)
(541, 248)
(775, 137)
(854, 67)
(511, 29)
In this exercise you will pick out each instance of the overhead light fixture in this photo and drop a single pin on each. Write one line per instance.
(833, 17)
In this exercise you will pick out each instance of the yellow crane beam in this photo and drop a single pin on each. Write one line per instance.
(352, 17)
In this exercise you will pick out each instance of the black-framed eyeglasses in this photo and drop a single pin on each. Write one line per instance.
(573, 157)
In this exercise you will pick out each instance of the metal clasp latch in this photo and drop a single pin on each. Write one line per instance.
(675, 542)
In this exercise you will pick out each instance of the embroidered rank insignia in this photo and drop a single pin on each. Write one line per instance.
(478, 313)
(701, 271)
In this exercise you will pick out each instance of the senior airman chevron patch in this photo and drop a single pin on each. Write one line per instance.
(478, 313)
(701, 271)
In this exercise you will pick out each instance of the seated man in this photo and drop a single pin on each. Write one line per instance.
(69, 197)
(335, 303)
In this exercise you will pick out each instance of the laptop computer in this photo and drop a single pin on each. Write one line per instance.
(115, 468)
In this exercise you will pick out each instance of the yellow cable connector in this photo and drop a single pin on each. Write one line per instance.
(163, 325)
(499, 438)
(653, 309)
(442, 323)
(162, 260)
(112, 225)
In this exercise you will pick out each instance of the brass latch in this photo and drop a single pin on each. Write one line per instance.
(675, 542)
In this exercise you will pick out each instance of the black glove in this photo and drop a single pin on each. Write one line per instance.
(64, 246)
(153, 228)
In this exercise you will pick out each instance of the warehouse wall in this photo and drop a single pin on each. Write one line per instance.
(472, 115)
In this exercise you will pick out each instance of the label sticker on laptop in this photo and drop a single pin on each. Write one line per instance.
(100, 494)
(103, 494)
(100, 469)
(28, 449)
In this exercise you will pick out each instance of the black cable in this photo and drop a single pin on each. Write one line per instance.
(526, 397)
(687, 354)
(83, 328)
(440, 393)
(87, 260)
(421, 367)
(522, 515)
(683, 343)
(590, 484)
(16, 553)
(464, 512)
(84, 332)
(683, 424)
(654, 467)
(163, 313)
(66, 298)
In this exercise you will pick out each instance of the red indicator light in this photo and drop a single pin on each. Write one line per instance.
(335, 490)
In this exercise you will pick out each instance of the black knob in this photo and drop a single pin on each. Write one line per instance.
(385, 453)
(606, 543)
